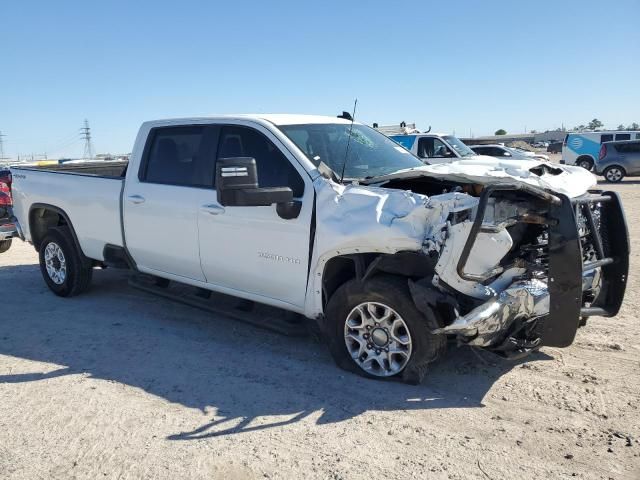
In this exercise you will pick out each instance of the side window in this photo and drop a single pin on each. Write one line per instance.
(497, 152)
(637, 136)
(180, 156)
(623, 136)
(431, 147)
(632, 147)
(274, 169)
(621, 148)
(608, 137)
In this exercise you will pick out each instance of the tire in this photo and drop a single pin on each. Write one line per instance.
(66, 271)
(345, 309)
(614, 174)
(5, 245)
(585, 162)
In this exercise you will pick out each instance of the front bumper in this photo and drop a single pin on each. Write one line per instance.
(531, 313)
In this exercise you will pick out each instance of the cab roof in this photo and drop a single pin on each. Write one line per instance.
(274, 118)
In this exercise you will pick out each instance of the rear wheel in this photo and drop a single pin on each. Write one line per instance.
(375, 330)
(614, 174)
(5, 245)
(585, 162)
(64, 269)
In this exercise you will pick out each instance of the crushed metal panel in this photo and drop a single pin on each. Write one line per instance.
(568, 180)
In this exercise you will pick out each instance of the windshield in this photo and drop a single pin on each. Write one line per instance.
(459, 146)
(370, 154)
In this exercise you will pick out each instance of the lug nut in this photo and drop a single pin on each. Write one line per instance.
(369, 346)
(377, 351)
(366, 335)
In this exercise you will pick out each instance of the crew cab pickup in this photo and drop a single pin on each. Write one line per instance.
(332, 220)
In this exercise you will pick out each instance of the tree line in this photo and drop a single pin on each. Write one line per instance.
(594, 124)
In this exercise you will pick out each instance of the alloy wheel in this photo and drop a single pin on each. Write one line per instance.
(378, 339)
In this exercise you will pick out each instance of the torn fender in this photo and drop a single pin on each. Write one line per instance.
(366, 219)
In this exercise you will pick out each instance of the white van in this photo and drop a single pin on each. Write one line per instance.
(582, 148)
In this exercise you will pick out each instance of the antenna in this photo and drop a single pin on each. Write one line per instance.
(346, 153)
(85, 134)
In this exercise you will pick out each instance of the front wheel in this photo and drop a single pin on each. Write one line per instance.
(375, 330)
(613, 174)
(64, 269)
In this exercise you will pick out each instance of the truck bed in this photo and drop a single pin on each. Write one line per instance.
(87, 193)
(98, 169)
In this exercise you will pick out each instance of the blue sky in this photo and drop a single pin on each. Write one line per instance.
(458, 66)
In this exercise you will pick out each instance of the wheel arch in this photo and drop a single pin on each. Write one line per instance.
(362, 266)
(42, 217)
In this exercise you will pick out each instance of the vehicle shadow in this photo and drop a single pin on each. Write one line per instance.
(242, 378)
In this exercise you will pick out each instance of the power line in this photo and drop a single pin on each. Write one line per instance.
(85, 134)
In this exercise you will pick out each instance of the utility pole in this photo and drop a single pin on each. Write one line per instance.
(2, 145)
(85, 134)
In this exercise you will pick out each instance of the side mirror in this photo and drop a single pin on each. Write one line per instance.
(237, 185)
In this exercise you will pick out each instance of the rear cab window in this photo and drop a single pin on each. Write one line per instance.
(607, 137)
(181, 156)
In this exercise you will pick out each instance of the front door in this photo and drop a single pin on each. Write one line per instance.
(252, 249)
(432, 150)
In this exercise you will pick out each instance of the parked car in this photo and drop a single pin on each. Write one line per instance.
(500, 151)
(555, 147)
(7, 227)
(582, 148)
(330, 219)
(618, 160)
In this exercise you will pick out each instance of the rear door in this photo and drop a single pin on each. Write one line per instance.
(629, 154)
(252, 250)
(161, 200)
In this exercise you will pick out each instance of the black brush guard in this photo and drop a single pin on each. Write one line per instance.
(566, 267)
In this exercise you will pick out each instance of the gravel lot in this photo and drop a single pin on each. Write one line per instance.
(121, 384)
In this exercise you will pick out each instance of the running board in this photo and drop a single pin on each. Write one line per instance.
(262, 316)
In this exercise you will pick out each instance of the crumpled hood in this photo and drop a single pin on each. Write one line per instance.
(568, 180)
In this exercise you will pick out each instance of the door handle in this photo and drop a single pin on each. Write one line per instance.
(135, 199)
(212, 209)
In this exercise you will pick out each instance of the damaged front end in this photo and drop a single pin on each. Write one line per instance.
(525, 267)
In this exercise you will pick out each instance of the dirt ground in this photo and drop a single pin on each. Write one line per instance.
(121, 384)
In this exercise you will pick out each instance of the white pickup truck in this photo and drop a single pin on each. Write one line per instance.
(332, 220)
